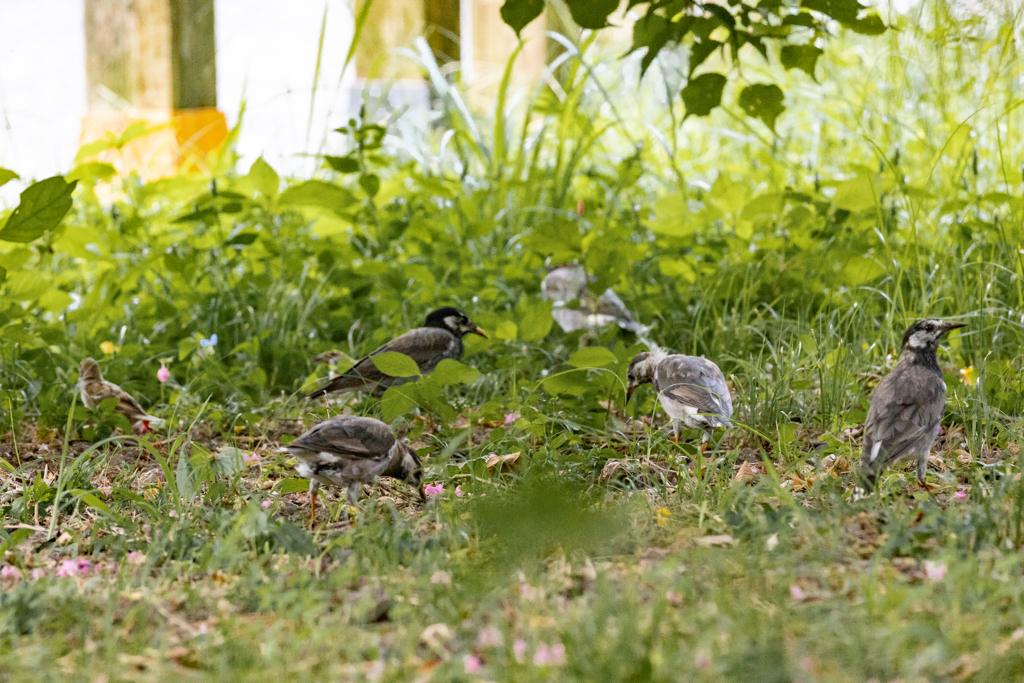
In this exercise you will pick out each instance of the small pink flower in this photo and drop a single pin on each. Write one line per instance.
(172, 513)
(851, 432)
(37, 574)
(434, 489)
(796, 592)
(9, 572)
(136, 557)
(472, 664)
(84, 566)
(550, 656)
(580, 207)
(68, 568)
(960, 495)
(510, 419)
(458, 492)
(267, 503)
(163, 374)
(519, 648)
(106, 490)
(250, 458)
(489, 637)
(934, 571)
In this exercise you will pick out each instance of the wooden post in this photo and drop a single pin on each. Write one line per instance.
(492, 43)
(153, 60)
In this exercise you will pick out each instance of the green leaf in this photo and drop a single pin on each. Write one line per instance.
(506, 330)
(92, 172)
(396, 364)
(762, 101)
(677, 269)
(3, 274)
(6, 176)
(860, 269)
(519, 13)
(593, 357)
(870, 25)
(346, 164)
(535, 321)
(397, 400)
(843, 11)
(228, 462)
(568, 383)
(264, 178)
(293, 485)
(186, 346)
(450, 371)
(94, 502)
(672, 218)
(107, 405)
(15, 539)
(318, 193)
(42, 207)
(804, 57)
(592, 14)
(855, 194)
(703, 93)
(370, 184)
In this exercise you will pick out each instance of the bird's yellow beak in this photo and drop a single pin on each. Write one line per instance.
(480, 331)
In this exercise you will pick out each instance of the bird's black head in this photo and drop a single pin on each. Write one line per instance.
(924, 335)
(454, 320)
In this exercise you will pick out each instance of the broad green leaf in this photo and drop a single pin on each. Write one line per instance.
(318, 193)
(94, 502)
(293, 485)
(677, 268)
(506, 330)
(535, 321)
(15, 539)
(395, 364)
(870, 25)
(91, 172)
(346, 164)
(186, 346)
(6, 176)
(592, 14)
(107, 405)
(183, 478)
(855, 194)
(703, 93)
(672, 218)
(264, 178)
(762, 101)
(450, 371)
(861, 269)
(804, 57)
(843, 11)
(396, 401)
(55, 301)
(592, 357)
(519, 13)
(570, 383)
(42, 207)
(228, 461)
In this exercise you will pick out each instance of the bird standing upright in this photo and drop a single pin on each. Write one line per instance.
(349, 450)
(908, 403)
(439, 338)
(691, 389)
(94, 390)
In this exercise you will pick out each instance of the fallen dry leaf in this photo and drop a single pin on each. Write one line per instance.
(721, 540)
(502, 463)
(746, 471)
(609, 469)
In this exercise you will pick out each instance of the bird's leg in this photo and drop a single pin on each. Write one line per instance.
(353, 493)
(314, 486)
(675, 431)
(704, 441)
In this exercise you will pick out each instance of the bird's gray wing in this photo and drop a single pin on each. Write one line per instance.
(610, 304)
(564, 284)
(695, 382)
(425, 345)
(348, 435)
(907, 406)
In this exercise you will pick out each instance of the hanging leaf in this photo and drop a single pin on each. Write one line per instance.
(804, 57)
(264, 178)
(346, 164)
(396, 364)
(519, 13)
(592, 14)
(762, 101)
(593, 357)
(450, 371)
(6, 176)
(318, 193)
(703, 93)
(42, 207)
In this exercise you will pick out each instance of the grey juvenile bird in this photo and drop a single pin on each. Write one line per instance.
(439, 338)
(691, 389)
(94, 390)
(569, 283)
(908, 404)
(350, 451)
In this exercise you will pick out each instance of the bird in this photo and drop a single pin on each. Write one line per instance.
(94, 390)
(439, 338)
(692, 390)
(566, 284)
(907, 405)
(349, 450)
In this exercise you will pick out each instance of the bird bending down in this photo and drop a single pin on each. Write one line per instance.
(94, 390)
(439, 338)
(569, 283)
(692, 390)
(907, 406)
(350, 451)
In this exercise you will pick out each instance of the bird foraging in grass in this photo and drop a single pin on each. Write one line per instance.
(566, 284)
(439, 338)
(94, 390)
(350, 451)
(907, 406)
(692, 390)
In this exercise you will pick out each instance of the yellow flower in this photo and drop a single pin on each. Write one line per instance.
(109, 348)
(967, 374)
(662, 515)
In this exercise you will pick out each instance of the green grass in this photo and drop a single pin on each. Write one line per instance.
(795, 261)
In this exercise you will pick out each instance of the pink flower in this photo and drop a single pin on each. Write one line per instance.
(458, 492)
(267, 503)
(434, 489)
(172, 513)
(702, 660)
(934, 570)
(489, 637)
(796, 592)
(84, 565)
(580, 207)
(960, 495)
(37, 574)
(106, 490)
(519, 648)
(510, 419)
(9, 572)
(550, 656)
(851, 432)
(250, 458)
(68, 568)
(163, 374)
(136, 557)
(472, 664)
